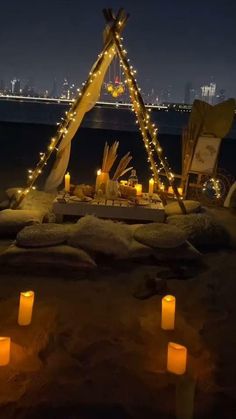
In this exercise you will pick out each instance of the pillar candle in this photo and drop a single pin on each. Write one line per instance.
(98, 180)
(25, 308)
(168, 312)
(176, 358)
(67, 182)
(138, 188)
(5, 345)
(101, 181)
(151, 187)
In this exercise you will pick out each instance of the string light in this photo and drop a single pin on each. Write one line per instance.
(147, 129)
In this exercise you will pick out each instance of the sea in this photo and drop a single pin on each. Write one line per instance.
(25, 131)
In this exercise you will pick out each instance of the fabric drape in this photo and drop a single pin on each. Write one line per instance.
(85, 104)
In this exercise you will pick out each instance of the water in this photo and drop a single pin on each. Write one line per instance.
(21, 144)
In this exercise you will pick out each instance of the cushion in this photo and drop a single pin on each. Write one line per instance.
(56, 256)
(102, 236)
(184, 252)
(41, 201)
(160, 235)
(40, 235)
(201, 229)
(174, 209)
(12, 221)
(137, 250)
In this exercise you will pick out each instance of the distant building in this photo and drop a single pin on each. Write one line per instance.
(208, 93)
(220, 97)
(189, 94)
(54, 91)
(65, 94)
(2, 87)
(166, 95)
(15, 87)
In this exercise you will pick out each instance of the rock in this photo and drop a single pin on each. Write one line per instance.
(56, 257)
(201, 229)
(160, 235)
(12, 221)
(174, 209)
(102, 236)
(42, 235)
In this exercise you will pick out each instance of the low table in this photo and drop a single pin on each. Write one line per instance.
(109, 209)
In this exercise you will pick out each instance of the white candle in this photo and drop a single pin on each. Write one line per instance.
(5, 345)
(176, 358)
(168, 312)
(98, 180)
(25, 308)
(101, 181)
(151, 187)
(138, 188)
(67, 182)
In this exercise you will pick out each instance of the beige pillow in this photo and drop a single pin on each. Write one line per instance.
(12, 221)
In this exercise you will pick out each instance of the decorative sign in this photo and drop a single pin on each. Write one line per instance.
(205, 155)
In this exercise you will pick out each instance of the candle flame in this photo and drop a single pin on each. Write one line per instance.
(169, 298)
(28, 293)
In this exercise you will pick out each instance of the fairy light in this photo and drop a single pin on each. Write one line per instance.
(147, 129)
(214, 184)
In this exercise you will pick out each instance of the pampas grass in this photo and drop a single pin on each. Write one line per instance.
(122, 166)
(109, 156)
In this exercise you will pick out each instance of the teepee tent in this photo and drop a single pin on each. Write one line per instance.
(85, 101)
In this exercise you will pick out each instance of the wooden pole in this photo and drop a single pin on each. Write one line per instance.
(142, 117)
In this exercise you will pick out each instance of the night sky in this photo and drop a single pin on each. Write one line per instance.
(169, 42)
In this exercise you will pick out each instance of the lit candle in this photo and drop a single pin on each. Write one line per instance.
(138, 188)
(180, 190)
(170, 190)
(101, 181)
(123, 182)
(151, 187)
(67, 182)
(176, 358)
(98, 180)
(25, 308)
(168, 312)
(5, 345)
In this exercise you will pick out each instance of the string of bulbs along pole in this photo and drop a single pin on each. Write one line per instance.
(147, 127)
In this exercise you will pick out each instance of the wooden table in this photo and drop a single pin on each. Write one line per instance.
(109, 209)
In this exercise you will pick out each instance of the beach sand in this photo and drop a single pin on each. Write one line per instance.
(93, 350)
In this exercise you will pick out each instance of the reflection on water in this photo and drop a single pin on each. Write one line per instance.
(21, 144)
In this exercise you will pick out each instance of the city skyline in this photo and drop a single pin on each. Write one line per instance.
(210, 92)
(168, 45)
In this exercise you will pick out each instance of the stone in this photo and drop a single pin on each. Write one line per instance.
(160, 235)
(174, 209)
(202, 229)
(42, 235)
(58, 257)
(101, 236)
(12, 221)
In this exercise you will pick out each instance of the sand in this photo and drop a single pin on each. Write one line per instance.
(95, 351)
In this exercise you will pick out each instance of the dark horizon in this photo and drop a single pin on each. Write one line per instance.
(169, 44)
